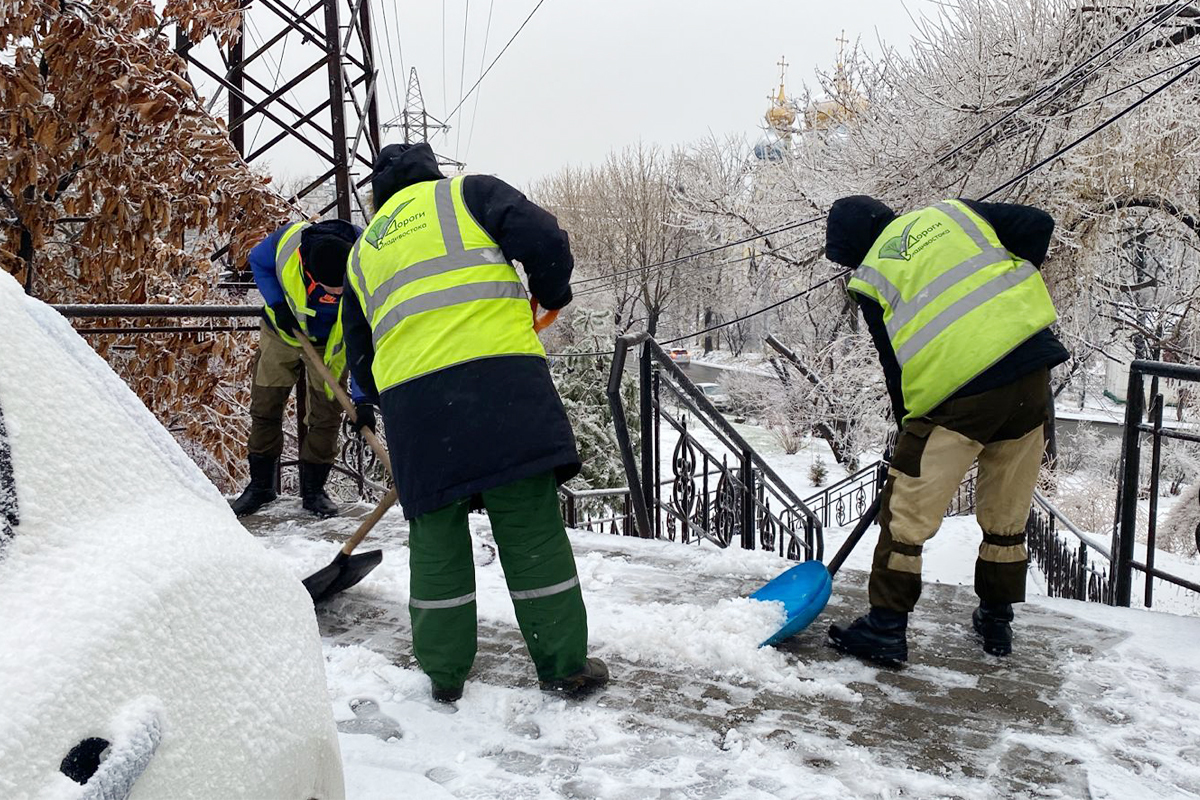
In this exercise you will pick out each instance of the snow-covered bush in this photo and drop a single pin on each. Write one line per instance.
(582, 382)
(1180, 531)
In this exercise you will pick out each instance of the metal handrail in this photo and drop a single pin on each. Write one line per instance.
(1062, 518)
(149, 310)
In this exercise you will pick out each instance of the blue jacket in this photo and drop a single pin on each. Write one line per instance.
(262, 264)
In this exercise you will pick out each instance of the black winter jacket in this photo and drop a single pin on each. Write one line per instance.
(473, 427)
(856, 222)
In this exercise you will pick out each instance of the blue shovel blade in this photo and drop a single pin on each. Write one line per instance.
(804, 590)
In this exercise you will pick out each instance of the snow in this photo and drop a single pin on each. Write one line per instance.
(679, 613)
(135, 607)
(663, 611)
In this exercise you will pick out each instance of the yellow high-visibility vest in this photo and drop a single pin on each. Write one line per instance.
(290, 274)
(435, 287)
(954, 300)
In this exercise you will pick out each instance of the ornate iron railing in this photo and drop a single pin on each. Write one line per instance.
(744, 502)
(1065, 561)
(844, 502)
(1125, 527)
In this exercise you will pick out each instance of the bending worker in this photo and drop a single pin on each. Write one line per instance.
(442, 338)
(959, 313)
(300, 270)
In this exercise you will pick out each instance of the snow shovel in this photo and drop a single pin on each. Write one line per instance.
(804, 589)
(347, 568)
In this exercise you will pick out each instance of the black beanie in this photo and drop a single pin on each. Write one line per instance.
(853, 226)
(324, 248)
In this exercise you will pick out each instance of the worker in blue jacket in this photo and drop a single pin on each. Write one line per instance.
(300, 271)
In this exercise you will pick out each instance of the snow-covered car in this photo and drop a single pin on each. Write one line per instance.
(150, 647)
(680, 356)
(715, 395)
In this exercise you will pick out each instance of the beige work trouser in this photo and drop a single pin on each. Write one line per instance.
(277, 366)
(1003, 429)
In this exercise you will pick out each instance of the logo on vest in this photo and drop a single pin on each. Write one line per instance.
(386, 230)
(908, 244)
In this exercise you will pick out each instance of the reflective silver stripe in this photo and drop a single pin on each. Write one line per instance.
(534, 594)
(969, 226)
(443, 200)
(453, 602)
(356, 268)
(433, 266)
(444, 298)
(906, 312)
(876, 279)
(960, 308)
(284, 253)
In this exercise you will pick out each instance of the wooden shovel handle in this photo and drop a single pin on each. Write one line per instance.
(387, 502)
(318, 365)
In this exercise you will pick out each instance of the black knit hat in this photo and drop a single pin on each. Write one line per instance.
(853, 226)
(324, 248)
(401, 165)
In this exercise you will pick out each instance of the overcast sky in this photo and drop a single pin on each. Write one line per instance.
(588, 76)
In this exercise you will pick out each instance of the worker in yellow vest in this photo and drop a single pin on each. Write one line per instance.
(300, 272)
(439, 332)
(956, 306)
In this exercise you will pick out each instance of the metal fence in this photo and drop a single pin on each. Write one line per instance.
(361, 474)
(721, 491)
(1075, 564)
(1140, 425)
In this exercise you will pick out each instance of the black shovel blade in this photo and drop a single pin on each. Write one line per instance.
(344, 572)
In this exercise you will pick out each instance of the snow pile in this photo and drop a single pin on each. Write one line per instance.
(136, 609)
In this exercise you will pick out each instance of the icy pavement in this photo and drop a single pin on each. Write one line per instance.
(1095, 702)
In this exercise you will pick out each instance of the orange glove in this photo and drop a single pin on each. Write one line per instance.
(545, 320)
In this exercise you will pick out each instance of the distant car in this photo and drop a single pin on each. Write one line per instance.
(680, 356)
(715, 395)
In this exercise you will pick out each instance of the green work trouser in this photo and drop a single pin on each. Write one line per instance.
(1002, 428)
(277, 368)
(538, 566)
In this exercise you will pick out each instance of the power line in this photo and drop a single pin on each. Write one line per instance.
(1063, 150)
(462, 73)
(387, 32)
(1157, 19)
(494, 60)
(482, 57)
(1024, 174)
(1138, 82)
(444, 56)
(704, 252)
(605, 287)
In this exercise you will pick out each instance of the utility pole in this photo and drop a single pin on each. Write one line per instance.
(280, 55)
(416, 124)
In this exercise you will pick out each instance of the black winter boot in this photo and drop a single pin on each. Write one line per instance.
(992, 622)
(593, 676)
(879, 636)
(312, 489)
(263, 486)
(447, 694)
